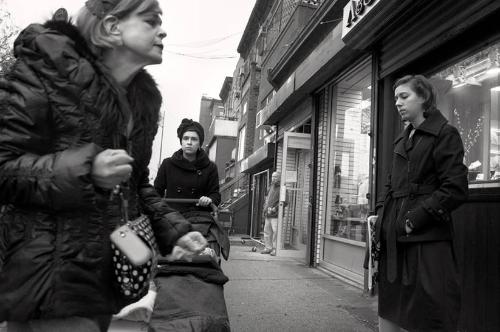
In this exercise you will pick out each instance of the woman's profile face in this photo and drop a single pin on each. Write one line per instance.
(142, 37)
(408, 103)
(190, 142)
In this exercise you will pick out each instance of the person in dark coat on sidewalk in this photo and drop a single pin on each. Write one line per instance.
(188, 173)
(78, 115)
(418, 276)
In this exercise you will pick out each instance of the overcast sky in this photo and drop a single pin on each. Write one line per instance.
(206, 32)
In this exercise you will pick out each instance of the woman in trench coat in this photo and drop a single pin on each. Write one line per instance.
(418, 277)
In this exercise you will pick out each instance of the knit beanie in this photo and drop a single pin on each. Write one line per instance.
(190, 125)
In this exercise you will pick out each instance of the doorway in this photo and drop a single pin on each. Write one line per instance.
(295, 209)
(259, 186)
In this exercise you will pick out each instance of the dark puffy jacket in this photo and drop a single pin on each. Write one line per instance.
(180, 178)
(58, 109)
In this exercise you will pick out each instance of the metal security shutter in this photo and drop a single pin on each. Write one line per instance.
(427, 26)
(322, 167)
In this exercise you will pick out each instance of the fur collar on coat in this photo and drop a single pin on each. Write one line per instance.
(143, 97)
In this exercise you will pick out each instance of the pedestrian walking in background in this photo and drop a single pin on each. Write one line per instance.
(271, 208)
(78, 115)
(188, 173)
(418, 277)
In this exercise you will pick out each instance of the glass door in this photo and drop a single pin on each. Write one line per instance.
(294, 213)
(348, 174)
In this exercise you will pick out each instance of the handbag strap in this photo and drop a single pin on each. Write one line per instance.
(122, 192)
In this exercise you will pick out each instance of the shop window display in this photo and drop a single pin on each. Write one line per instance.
(349, 164)
(469, 97)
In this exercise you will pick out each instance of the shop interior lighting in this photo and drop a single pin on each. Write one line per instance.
(496, 88)
(460, 77)
(475, 69)
(493, 71)
(494, 61)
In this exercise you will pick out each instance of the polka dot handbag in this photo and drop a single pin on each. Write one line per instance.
(133, 279)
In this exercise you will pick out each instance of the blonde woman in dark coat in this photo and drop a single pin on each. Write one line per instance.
(78, 115)
(418, 277)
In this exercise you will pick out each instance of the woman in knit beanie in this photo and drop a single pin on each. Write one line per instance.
(190, 125)
(188, 173)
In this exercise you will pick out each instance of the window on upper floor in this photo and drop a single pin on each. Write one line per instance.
(241, 142)
(245, 107)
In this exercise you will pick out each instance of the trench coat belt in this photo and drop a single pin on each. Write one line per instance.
(414, 189)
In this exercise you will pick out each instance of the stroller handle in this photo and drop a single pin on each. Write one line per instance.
(189, 201)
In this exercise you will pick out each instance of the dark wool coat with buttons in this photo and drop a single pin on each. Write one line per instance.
(59, 108)
(180, 178)
(418, 274)
(428, 179)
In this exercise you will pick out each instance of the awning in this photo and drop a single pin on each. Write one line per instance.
(257, 159)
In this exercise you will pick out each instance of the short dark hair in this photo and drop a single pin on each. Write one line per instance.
(422, 87)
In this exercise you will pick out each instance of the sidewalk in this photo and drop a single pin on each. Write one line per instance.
(267, 293)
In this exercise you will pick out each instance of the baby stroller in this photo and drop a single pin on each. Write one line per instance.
(190, 295)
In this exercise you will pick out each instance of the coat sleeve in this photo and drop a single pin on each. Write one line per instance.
(31, 172)
(452, 174)
(213, 185)
(168, 224)
(160, 183)
(381, 199)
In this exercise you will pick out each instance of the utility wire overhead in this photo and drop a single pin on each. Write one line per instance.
(207, 57)
(206, 42)
(209, 52)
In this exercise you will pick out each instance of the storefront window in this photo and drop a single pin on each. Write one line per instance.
(349, 156)
(469, 97)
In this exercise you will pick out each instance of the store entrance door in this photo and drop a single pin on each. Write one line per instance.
(295, 209)
(259, 186)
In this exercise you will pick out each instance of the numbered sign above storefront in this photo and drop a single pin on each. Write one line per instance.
(354, 12)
